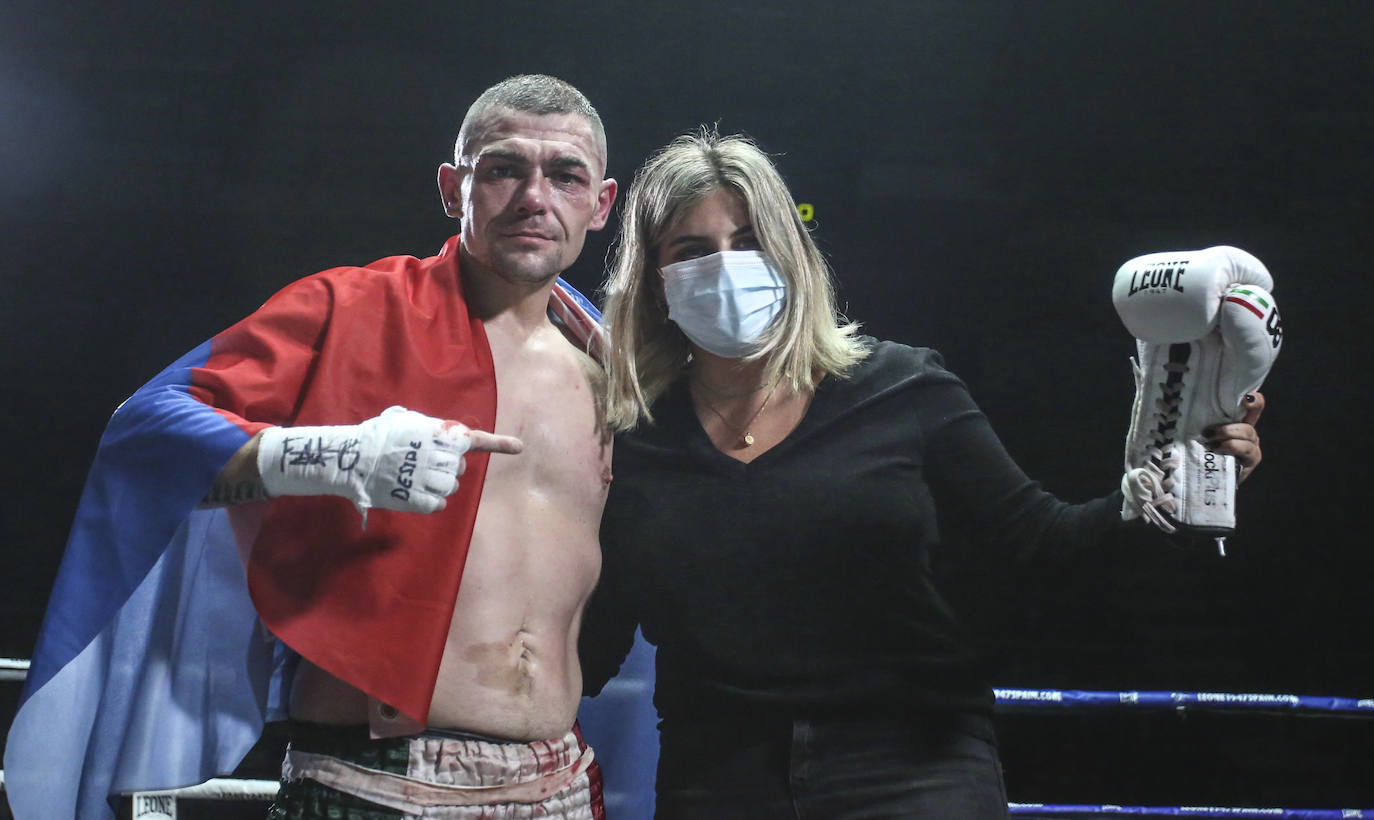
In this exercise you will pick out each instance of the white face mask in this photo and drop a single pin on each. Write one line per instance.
(725, 301)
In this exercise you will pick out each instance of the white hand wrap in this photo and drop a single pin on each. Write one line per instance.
(400, 460)
(1207, 331)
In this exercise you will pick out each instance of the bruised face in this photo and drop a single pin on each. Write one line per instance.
(526, 190)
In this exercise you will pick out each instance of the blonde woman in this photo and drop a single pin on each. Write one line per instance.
(775, 501)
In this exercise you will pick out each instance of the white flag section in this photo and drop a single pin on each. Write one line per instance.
(147, 705)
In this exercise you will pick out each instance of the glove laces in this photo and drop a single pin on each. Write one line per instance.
(1150, 487)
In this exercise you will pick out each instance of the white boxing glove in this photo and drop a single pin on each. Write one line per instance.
(1207, 332)
(400, 460)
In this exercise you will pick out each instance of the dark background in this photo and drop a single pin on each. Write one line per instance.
(978, 172)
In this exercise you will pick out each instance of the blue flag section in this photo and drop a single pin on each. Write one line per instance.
(150, 670)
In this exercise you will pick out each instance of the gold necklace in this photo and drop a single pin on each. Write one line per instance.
(745, 435)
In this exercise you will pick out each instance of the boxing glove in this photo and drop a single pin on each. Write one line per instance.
(1207, 332)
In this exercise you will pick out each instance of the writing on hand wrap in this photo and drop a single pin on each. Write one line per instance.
(407, 469)
(316, 452)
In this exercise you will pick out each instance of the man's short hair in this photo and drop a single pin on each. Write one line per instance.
(537, 94)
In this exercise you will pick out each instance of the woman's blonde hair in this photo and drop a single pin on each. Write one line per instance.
(808, 339)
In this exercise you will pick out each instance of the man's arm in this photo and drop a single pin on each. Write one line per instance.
(239, 481)
(400, 460)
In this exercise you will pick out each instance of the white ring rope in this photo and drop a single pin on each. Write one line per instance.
(224, 788)
(219, 788)
(12, 669)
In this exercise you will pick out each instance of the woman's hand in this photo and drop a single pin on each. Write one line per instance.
(1240, 438)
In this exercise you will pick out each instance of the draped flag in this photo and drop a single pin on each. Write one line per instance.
(164, 646)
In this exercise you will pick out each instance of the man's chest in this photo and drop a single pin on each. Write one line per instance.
(546, 399)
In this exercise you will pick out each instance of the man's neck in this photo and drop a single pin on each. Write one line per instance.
(498, 299)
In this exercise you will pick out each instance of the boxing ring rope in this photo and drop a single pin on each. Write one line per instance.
(1017, 699)
(227, 788)
(1008, 700)
(11, 669)
(1026, 699)
(1049, 810)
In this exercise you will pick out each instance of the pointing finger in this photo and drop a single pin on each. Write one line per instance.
(485, 442)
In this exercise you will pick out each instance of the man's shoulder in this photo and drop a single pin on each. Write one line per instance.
(384, 272)
(390, 273)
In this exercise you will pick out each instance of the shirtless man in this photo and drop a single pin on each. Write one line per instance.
(526, 185)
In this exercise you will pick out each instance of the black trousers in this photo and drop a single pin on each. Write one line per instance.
(833, 766)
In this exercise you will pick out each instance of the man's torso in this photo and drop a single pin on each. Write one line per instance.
(509, 666)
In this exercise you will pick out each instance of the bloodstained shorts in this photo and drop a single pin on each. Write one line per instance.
(340, 773)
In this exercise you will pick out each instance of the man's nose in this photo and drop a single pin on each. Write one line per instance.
(533, 196)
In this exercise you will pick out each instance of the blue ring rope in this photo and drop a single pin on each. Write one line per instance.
(1074, 698)
(1066, 810)
(1068, 698)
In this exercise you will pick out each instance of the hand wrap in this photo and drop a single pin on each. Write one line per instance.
(400, 460)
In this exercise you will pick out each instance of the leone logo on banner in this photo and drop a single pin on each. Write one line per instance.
(154, 807)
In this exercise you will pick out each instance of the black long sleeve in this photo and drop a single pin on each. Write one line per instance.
(803, 578)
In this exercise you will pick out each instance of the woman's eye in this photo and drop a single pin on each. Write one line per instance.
(747, 243)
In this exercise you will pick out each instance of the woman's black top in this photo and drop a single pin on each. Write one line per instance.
(803, 580)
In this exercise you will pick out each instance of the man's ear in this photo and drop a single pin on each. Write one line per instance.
(451, 189)
(605, 198)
